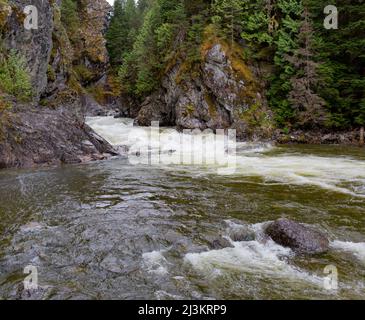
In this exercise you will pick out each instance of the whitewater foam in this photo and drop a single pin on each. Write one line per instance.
(357, 249)
(155, 262)
(253, 257)
(337, 174)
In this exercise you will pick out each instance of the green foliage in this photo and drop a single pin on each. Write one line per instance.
(70, 18)
(123, 29)
(83, 73)
(315, 76)
(141, 66)
(342, 54)
(14, 77)
(227, 14)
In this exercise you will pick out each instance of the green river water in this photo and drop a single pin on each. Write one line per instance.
(113, 230)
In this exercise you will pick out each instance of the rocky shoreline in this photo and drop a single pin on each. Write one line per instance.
(36, 137)
(318, 137)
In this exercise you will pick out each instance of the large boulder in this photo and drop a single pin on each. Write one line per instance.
(31, 136)
(300, 238)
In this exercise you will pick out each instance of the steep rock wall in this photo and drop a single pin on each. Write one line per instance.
(51, 128)
(223, 93)
(34, 45)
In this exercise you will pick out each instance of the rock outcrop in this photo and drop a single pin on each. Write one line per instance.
(299, 238)
(35, 45)
(49, 137)
(223, 93)
(50, 129)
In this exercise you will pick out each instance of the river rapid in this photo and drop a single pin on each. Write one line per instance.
(121, 230)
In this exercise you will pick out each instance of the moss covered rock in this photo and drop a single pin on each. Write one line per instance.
(221, 92)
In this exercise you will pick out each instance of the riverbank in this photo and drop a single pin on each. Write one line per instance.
(33, 136)
(38, 137)
(319, 137)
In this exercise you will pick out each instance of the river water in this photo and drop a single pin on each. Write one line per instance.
(116, 230)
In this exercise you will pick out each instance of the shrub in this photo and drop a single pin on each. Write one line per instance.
(14, 77)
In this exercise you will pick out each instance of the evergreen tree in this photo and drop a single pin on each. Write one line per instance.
(286, 35)
(228, 15)
(307, 104)
(70, 19)
(342, 53)
(117, 33)
(285, 41)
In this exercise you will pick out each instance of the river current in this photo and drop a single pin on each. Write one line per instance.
(121, 230)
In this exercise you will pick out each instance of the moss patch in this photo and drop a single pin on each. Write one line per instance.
(234, 52)
(5, 11)
(212, 108)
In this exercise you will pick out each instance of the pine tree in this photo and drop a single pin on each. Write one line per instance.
(228, 15)
(70, 19)
(342, 53)
(117, 33)
(308, 106)
(285, 42)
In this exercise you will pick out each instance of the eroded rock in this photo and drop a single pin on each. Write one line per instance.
(43, 137)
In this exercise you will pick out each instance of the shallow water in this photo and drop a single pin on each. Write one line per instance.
(113, 230)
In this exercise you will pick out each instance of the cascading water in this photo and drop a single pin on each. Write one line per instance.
(339, 174)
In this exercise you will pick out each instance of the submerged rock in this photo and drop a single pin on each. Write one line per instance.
(220, 243)
(299, 238)
(241, 234)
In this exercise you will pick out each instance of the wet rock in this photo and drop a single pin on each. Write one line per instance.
(317, 137)
(68, 158)
(92, 108)
(220, 243)
(298, 237)
(48, 137)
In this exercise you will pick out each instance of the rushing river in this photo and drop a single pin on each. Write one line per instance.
(116, 230)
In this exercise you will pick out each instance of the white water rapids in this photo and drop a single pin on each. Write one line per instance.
(342, 175)
(117, 229)
(339, 174)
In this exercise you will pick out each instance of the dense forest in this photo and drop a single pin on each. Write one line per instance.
(314, 76)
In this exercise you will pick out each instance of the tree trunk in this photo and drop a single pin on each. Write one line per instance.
(362, 136)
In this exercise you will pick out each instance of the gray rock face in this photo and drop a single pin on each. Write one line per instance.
(34, 45)
(44, 137)
(216, 99)
(55, 132)
(299, 238)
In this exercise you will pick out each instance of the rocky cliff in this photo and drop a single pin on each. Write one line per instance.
(222, 92)
(49, 127)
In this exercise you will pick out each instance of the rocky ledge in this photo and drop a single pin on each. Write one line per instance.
(317, 137)
(33, 136)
